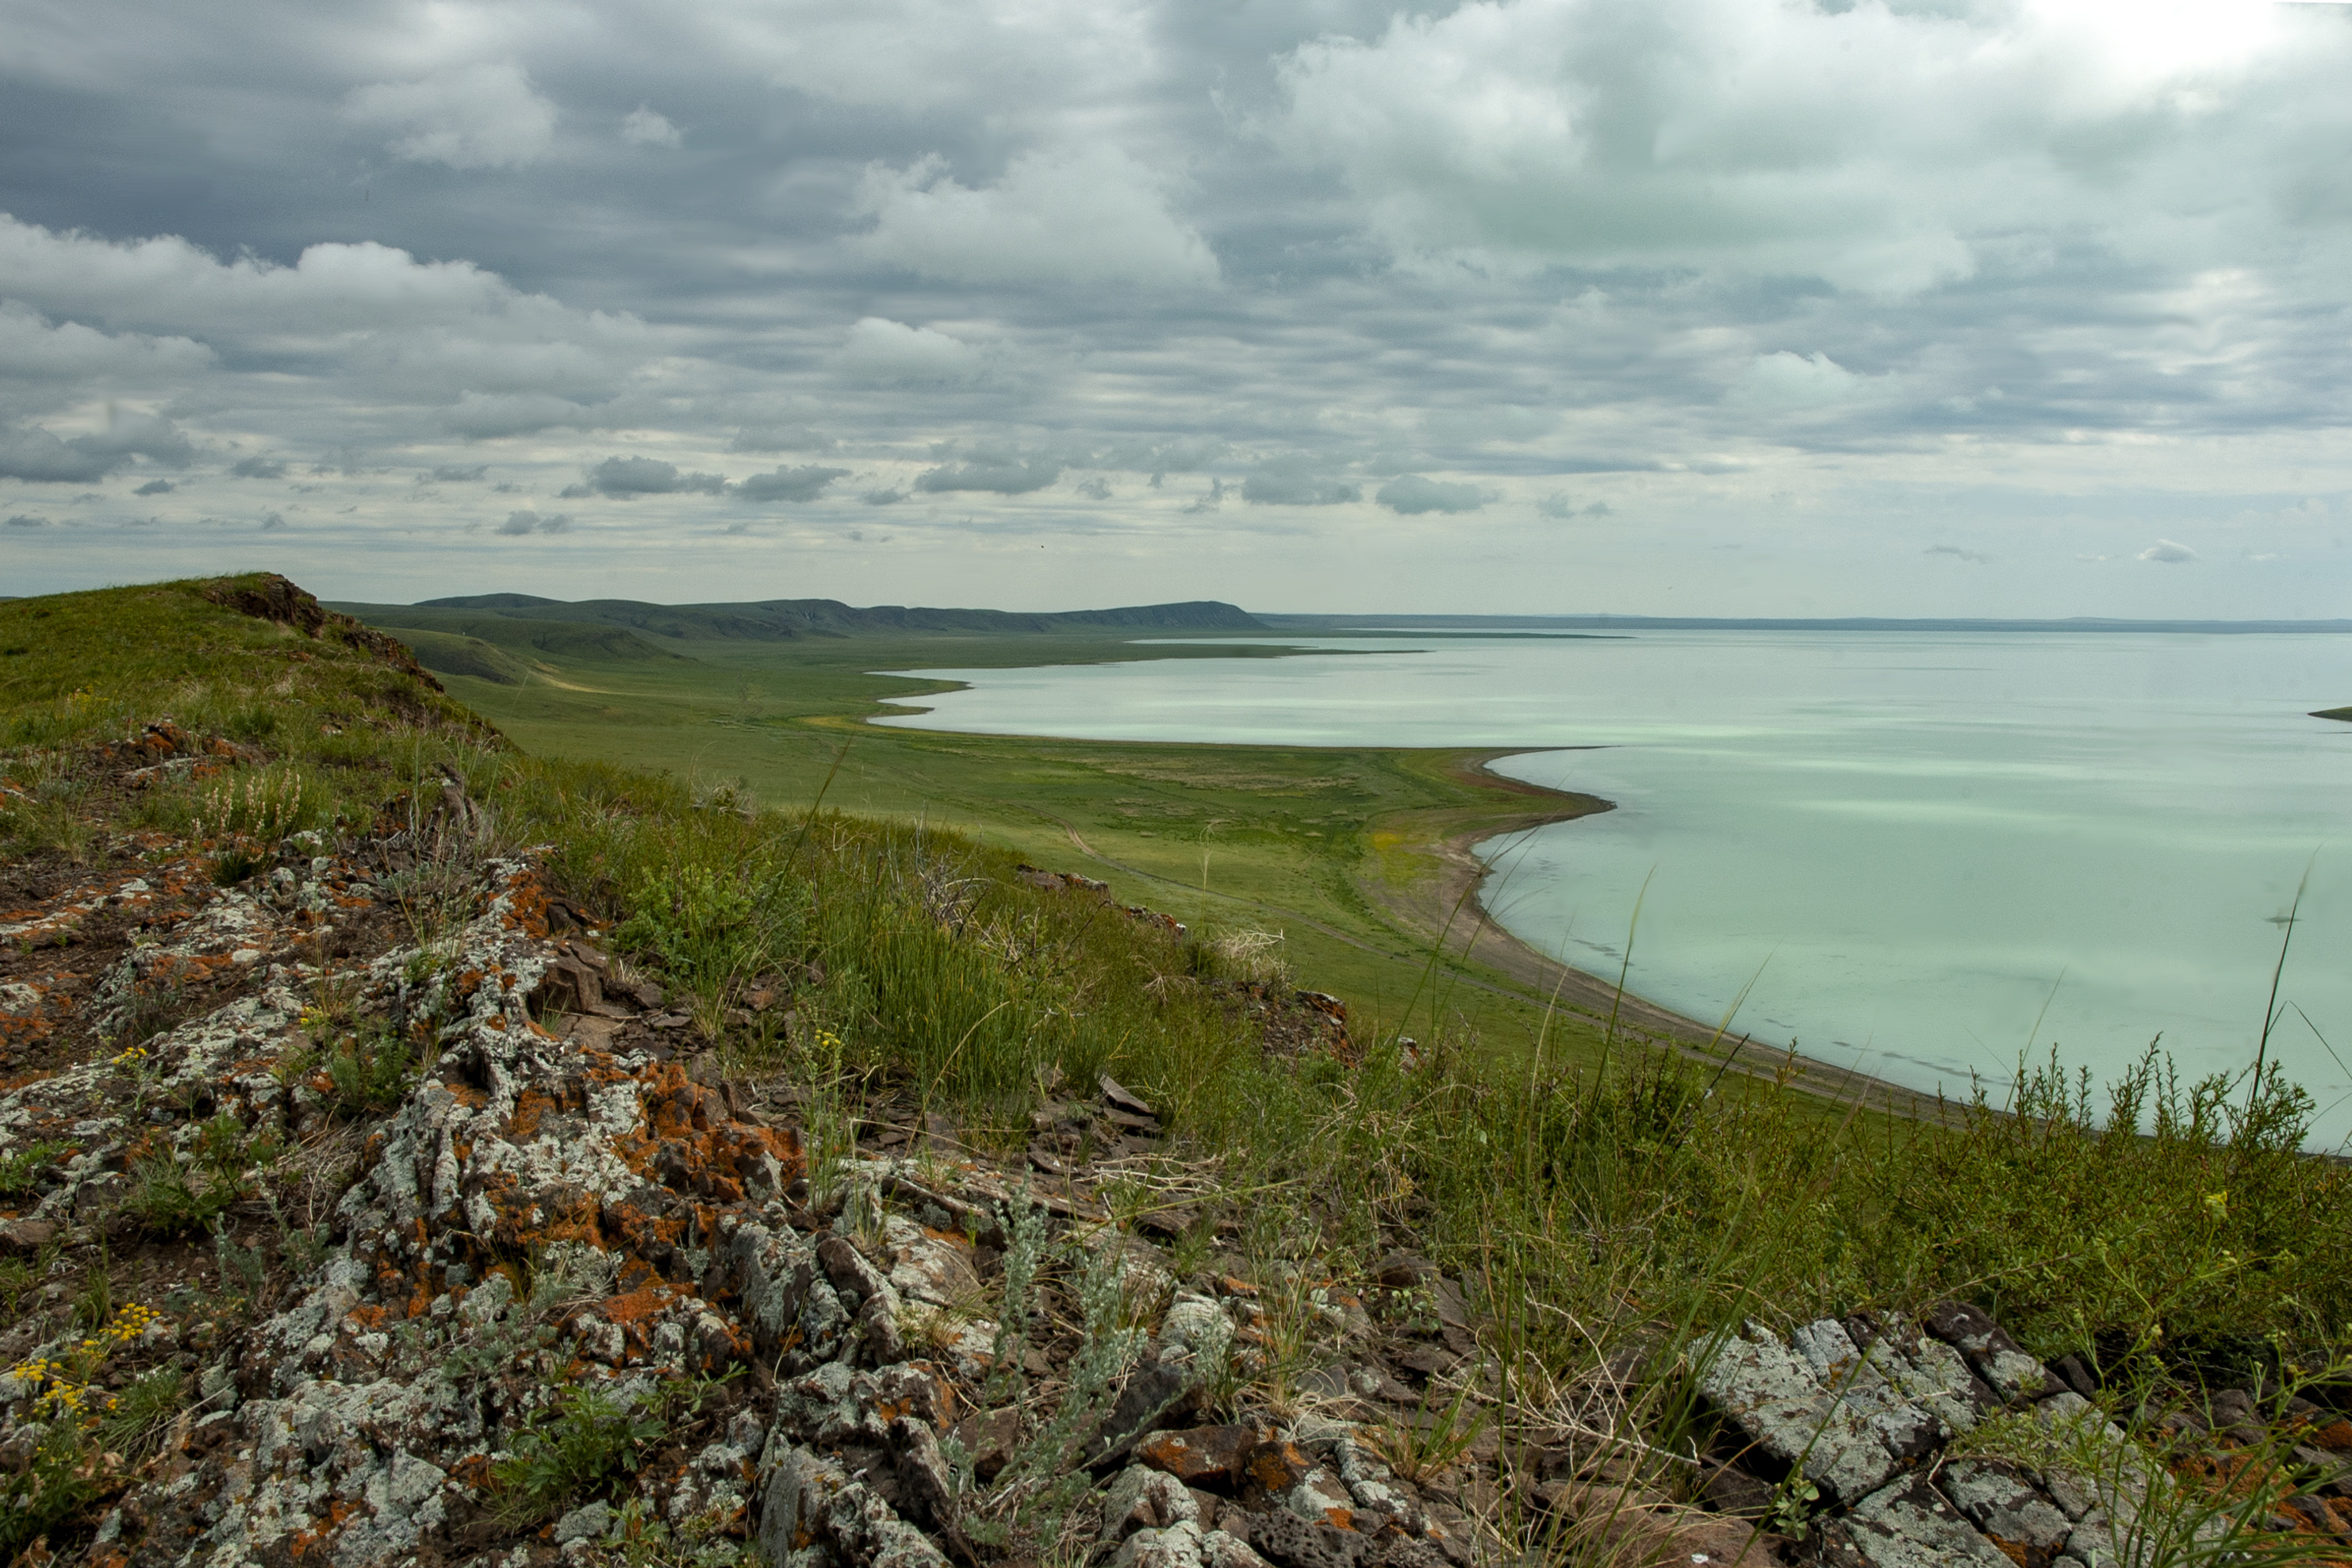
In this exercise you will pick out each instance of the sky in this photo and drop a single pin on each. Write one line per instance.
(2007, 308)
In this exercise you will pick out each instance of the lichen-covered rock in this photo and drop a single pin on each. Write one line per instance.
(1909, 1525)
(1776, 1398)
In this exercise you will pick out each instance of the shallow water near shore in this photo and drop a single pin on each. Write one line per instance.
(1936, 847)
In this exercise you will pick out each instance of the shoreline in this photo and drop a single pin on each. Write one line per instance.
(1431, 910)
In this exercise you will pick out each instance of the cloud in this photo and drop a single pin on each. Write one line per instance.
(1411, 493)
(1001, 473)
(155, 488)
(891, 497)
(624, 477)
(520, 523)
(1789, 381)
(1082, 214)
(273, 522)
(258, 467)
(805, 483)
(32, 349)
(38, 454)
(1293, 482)
(1096, 489)
(1213, 499)
(470, 117)
(1563, 506)
(767, 438)
(1884, 149)
(2167, 552)
(488, 415)
(644, 127)
(1976, 558)
(885, 352)
(26, 520)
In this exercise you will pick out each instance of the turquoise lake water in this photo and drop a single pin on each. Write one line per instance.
(1924, 840)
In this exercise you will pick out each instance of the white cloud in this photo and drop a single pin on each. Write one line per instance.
(646, 126)
(32, 349)
(887, 352)
(1878, 147)
(484, 116)
(1088, 214)
(2169, 552)
(1784, 381)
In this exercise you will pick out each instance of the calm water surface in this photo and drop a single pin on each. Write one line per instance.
(1916, 844)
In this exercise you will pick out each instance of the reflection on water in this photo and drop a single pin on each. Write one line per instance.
(1925, 840)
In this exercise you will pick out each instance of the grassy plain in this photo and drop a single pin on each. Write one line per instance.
(1352, 855)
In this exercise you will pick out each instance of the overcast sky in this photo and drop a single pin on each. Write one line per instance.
(1928, 306)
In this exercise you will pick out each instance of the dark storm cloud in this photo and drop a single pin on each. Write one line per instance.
(1325, 253)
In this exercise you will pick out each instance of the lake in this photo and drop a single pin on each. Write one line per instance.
(1927, 850)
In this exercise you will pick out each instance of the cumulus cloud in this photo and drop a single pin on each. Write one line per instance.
(520, 523)
(2169, 552)
(272, 522)
(26, 520)
(886, 352)
(1882, 148)
(883, 497)
(258, 467)
(1411, 494)
(646, 126)
(804, 483)
(457, 473)
(486, 116)
(624, 478)
(1083, 214)
(995, 470)
(34, 349)
(1096, 489)
(1975, 557)
(1294, 482)
(155, 488)
(39, 455)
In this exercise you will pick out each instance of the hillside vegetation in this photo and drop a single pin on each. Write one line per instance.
(862, 983)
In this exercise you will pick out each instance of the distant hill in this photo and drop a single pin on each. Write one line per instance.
(779, 619)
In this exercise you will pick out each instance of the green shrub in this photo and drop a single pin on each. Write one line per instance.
(561, 1453)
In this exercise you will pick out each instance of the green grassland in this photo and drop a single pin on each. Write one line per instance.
(1337, 849)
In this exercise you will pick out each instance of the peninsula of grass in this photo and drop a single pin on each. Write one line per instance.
(1605, 1197)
